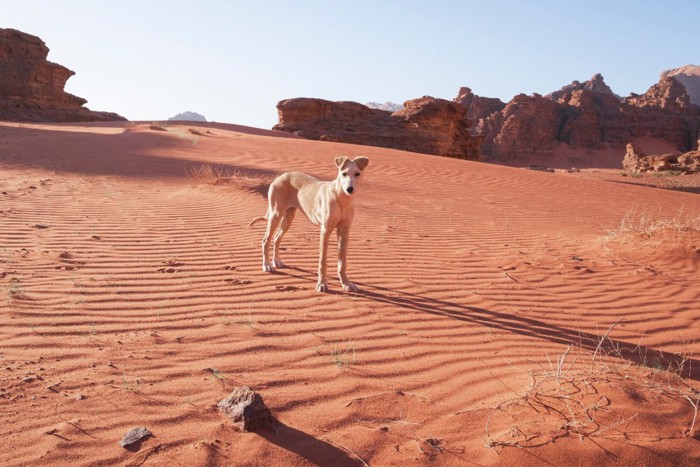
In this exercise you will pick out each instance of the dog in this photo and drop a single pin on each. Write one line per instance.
(328, 204)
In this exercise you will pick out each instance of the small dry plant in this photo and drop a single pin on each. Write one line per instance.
(646, 223)
(207, 174)
(573, 396)
(211, 174)
(344, 356)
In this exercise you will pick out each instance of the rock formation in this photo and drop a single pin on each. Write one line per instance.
(526, 124)
(635, 161)
(589, 116)
(582, 115)
(31, 88)
(426, 125)
(478, 107)
(688, 76)
(595, 85)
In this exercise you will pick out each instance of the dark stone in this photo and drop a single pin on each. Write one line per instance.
(246, 409)
(134, 436)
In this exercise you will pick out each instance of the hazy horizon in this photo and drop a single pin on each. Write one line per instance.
(233, 61)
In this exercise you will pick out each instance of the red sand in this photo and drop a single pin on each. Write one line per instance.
(124, 280)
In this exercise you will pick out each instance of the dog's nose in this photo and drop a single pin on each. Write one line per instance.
(350, 190)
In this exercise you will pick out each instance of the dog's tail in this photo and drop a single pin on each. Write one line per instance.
(257, 219)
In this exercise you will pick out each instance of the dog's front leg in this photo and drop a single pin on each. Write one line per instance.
(343, 240)
(322, 285)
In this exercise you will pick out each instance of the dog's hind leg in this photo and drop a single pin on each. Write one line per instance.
(273, 221)
(284, 227)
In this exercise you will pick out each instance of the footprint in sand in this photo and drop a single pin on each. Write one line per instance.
(238, 281)
(286, 288)
(173, 263)
(71, 263)
(167, 270)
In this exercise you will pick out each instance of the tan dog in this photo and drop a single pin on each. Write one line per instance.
(328, 204)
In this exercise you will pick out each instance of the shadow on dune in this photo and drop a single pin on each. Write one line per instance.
(312, 449)
(639, 354)
(687, 367)
(133, 154)
(684, 189)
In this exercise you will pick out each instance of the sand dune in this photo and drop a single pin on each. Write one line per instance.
(129, 281)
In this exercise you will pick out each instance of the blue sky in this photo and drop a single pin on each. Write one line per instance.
(232, 61)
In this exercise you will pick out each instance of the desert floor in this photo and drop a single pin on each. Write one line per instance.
(506, 316)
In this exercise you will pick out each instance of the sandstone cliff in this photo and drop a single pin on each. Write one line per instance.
(32, 88)
(688, 76)
(427, 125)
(582, 115)
(589, 116)
(478, 107)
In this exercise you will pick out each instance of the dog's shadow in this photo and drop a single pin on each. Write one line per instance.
(687, 367)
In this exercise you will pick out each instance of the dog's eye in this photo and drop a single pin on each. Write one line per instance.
(357, 174)
(345, 174)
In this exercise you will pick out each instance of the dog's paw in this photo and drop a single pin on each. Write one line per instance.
(322, 287)
(268, 268)
(279, 264)
(350, 287)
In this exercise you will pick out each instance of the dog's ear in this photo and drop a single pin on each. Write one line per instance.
(340, 161)
(361, 162)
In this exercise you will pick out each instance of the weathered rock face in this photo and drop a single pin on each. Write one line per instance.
(478, 107)
(635, 161)
(668, 95)
(427, 125)
(526, 124)
(31, 88)
(585, 115)
(595, 85)
(688, 76)
(589, 116)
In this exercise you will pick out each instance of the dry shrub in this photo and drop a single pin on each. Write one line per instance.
(646, 223)
(207, 174)
(215, 175)
(574, 397)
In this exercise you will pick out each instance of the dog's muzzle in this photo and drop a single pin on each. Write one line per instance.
(350, 190)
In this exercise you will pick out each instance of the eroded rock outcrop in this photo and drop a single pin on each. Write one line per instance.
(526, 124)
(635, 161)
(590, 116)
(582, 115)
(32, 88)
(478, 107)
(688, 76)
(426, 125)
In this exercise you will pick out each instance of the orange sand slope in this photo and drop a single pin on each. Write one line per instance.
(497, 323)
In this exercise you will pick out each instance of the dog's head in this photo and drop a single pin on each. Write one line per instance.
(350, 172)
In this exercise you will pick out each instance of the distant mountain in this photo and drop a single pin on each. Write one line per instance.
(389, 106)
(189, 116)
(689, 76)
